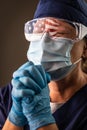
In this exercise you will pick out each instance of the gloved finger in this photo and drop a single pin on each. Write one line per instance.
(36, 76)
(25, 65)
(48, 76)
(42, 71)
(25, 82)
(45, 75)
(16, 101)
(20, 93)
(30, 83)
(25, 103)
(20, 73)
(17, 84)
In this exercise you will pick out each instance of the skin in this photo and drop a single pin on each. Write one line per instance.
(9, 126)
(63, 90)
(63, 29)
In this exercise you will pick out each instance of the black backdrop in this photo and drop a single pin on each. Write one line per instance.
(13, 46)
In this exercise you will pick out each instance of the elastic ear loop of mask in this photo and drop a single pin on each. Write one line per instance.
(77, 61)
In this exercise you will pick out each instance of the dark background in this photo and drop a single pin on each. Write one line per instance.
(13, 46)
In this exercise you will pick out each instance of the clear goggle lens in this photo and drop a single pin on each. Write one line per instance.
(35, 29)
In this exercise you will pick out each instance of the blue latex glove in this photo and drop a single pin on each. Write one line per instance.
(36, 106)
(31, 80)
(16, 115)
(37, 110)
(30, 84)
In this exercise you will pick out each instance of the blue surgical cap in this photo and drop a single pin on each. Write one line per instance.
(72, 10)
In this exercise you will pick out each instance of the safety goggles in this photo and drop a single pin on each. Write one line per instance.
(35, 29)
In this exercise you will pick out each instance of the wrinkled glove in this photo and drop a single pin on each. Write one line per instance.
(38, 111)
(16, 115)
(36, 105)
(30, 84)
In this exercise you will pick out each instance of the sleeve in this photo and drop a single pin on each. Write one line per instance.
(5, 103)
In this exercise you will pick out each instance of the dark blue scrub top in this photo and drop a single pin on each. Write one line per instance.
(71, 116)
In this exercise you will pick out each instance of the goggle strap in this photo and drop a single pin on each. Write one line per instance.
(83, 30)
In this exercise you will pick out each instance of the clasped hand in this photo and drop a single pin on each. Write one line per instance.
(30, 94)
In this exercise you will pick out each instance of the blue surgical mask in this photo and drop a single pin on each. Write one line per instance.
(53, 55)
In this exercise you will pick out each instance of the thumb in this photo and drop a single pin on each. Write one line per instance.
(48, 76)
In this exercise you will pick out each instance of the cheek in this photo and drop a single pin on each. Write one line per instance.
(76, 52)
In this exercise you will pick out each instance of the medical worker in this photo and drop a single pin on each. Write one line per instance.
(49, 92)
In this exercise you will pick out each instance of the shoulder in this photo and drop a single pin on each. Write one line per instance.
(5, 96)
(73, 114)
(5, 103)
(5, 89)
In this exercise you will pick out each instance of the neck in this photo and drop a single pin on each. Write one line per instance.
(59, 93)
(63, 90)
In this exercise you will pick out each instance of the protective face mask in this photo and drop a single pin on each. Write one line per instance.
(53, 55)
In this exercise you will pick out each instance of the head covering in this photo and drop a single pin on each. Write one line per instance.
(72, 10)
